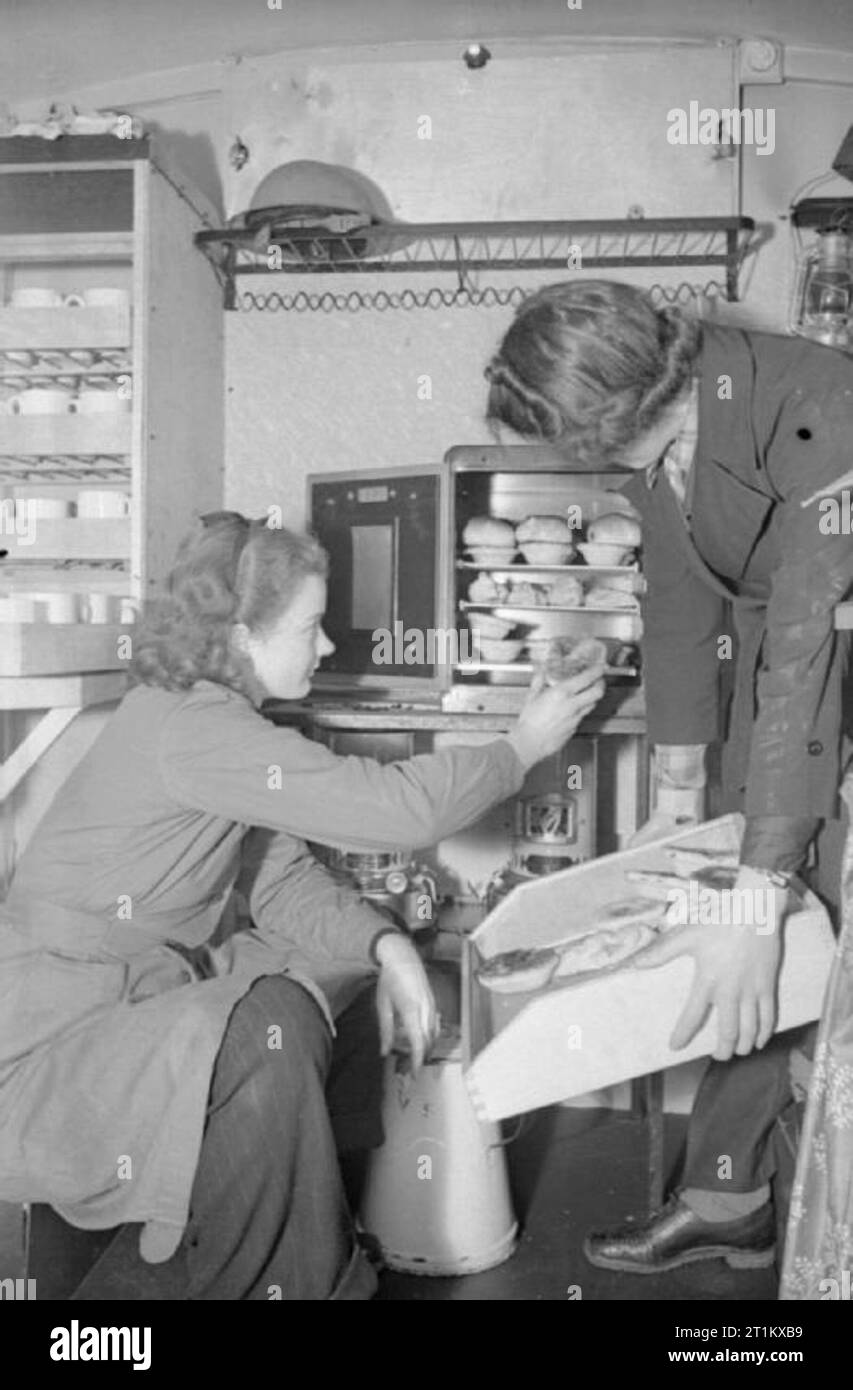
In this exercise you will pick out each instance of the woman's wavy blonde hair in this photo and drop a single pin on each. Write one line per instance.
(228, 570)
(590, 365)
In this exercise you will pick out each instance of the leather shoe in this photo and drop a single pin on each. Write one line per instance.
(675, 1236)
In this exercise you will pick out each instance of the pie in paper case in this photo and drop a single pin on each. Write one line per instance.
(520, 971)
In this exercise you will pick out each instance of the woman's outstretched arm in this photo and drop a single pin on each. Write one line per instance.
(219, 755)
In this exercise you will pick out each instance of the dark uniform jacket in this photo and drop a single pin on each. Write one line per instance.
(775, 426)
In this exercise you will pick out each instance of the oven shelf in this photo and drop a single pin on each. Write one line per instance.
(526, 668)
(519, 612)
(608, 624)
(514, 571)
(636, 585)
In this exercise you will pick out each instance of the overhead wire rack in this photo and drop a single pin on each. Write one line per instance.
(463, 248)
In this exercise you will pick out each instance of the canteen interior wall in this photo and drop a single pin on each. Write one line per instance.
(580, 135)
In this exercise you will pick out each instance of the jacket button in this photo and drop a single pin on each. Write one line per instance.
(815, 747)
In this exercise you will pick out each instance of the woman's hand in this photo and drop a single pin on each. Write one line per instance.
(737, 954)
(552, 713)
(405, 992)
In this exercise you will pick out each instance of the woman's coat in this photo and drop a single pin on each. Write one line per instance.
(775, 428)
(119, 966)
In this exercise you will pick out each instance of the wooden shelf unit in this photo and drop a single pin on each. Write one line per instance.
(90, 212)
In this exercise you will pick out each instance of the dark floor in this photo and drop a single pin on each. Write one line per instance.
(571, 1170)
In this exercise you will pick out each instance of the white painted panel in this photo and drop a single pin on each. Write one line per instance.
(566, 136)
(578, 135)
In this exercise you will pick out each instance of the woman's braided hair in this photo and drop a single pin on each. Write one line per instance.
(590, 365)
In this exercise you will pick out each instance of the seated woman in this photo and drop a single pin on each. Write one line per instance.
(158, 1065)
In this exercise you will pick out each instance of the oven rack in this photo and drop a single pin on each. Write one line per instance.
(507, 610)
(526, 668)
(513, 571)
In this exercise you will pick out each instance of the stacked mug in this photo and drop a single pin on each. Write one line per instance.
(67, 606)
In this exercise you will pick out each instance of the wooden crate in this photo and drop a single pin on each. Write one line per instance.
(44, 649)
(65, 434)
(523, 1051)
(38, 329)
(71, 538)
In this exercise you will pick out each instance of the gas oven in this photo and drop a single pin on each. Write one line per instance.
(448, 585)
(424, 608)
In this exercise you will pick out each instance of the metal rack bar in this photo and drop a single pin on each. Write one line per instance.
(60, 468)
(453, 263)
(464, 247)
(826, 213)
(489, 297)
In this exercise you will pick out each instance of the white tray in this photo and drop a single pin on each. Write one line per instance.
(520, 571)
(523, 1051)
(618, 624)
(48, 649)
(100, 327)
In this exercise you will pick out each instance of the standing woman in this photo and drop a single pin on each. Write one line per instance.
(734, 437)
(160, 1063)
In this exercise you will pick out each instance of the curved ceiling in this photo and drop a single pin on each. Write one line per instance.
(52, 46)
